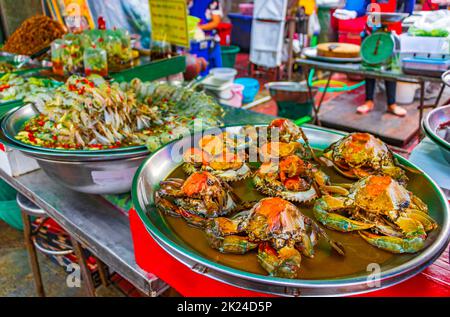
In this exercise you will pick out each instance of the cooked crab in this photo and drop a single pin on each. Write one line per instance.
(227, 166)
(279, 230)
(217, 144)
(293, 179)
(361, 154)
(384, 213)
(200, 196)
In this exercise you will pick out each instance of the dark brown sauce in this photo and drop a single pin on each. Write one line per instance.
(325, 264)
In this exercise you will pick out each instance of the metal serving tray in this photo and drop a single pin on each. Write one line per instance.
(161, 163)
(15, 119)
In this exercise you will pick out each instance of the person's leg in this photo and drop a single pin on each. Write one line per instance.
(370, 91)
(391, 87)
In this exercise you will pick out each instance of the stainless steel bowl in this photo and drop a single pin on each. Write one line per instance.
(93, 177)
(161, 163)
(94, 173)
(14, 120)
(431, 124)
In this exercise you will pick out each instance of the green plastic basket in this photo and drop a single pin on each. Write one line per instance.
(229, 55)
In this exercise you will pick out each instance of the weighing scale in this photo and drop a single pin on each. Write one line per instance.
(378, 49)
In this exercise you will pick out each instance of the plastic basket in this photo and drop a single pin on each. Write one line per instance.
(229, 55)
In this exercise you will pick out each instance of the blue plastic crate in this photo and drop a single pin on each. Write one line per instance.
(241, 31)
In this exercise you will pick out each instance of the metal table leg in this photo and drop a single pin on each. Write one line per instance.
(85, 272)
(307, 71)
(438, 99)
(421, 106)
(323, 95)
(32, 255)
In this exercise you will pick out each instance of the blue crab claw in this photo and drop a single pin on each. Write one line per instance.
(284, 263)
(394, 244)
(322, 213)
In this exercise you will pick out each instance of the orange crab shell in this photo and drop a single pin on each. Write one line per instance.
(278, 149)
(213, 144)
(194, 155)
(382, 193)
(277, 211)
(196, 183)
(293, 165)
(226, 161)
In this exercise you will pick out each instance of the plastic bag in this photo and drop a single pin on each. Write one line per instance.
(313, 25)
(433, 23)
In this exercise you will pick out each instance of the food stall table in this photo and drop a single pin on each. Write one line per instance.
(91, 220)
(105, 231)
(358, 69)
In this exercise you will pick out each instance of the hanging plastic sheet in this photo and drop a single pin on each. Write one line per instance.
(132, 15)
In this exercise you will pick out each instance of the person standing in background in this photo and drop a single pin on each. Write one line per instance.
(210, 14)
(406, 6)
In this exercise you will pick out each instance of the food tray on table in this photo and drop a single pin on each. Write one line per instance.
(20, 64)
(323, 275)
(311, 53)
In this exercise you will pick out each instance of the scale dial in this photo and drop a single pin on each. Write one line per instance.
(377, 48)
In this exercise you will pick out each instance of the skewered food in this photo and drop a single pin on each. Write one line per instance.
(277, 228)
(35, 34)
(384, 213)
(361, 154)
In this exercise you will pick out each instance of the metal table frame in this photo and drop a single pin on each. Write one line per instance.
(92, 222)
(357, 69)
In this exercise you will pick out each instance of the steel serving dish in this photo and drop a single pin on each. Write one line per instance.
(311, 53)
(92, 173)
(15, 119)
(431, 124)
(161, 163)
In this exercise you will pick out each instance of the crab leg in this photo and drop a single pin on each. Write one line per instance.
(394, 244)
(221, 234)
(284, 263)
(172, 210)
(322, 209)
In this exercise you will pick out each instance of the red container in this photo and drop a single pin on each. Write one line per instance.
(246, 8)
(224, 31)
(349, 37)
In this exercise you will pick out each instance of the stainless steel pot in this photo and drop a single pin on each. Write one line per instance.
(93, 177)
(431, 124)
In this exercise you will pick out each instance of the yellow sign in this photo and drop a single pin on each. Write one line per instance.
(169, 21)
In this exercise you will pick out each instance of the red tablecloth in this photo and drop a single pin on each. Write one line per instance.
(433, 281)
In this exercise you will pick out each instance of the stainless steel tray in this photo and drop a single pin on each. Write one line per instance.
(14, 120)
(311, 53)
(160, 164)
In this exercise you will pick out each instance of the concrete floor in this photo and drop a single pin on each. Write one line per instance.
(15, 274)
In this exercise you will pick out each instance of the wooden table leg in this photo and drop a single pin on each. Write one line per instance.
(32, 255)
(85, 272)
(103, 271)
